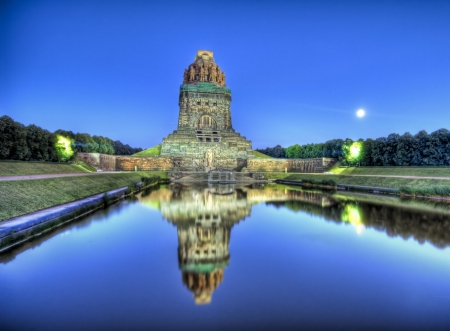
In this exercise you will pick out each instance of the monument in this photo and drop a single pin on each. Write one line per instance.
(205, 138)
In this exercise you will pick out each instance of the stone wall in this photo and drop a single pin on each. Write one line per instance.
(195, 104)
(223, 151)
(290, 165)
(104, 162)
(132, 163)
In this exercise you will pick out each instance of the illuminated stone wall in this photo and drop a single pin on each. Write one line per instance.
(132, 163)
(92, 159)
(316, 165)
(104, 162)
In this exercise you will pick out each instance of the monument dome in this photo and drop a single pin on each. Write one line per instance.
(204, 69)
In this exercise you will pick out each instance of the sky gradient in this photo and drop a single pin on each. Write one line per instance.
(298, 70)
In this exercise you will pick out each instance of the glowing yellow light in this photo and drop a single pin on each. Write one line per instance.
(64, 147)
(355, 149)
(360, 113)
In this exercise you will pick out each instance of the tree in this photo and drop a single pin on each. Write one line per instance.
(333, 148)
(13, 139)
(105, 145)
(38, 140)
(84, 143)
(366, 152)
(293, 152)
(389, 149)
(402, 156)
(439, 143)
(277, 151)
(421, 150)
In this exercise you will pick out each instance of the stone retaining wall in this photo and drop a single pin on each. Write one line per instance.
(104, 162)
(290, 165)
(160, 163)
(133, 163)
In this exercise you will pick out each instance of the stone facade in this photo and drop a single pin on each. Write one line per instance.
(205, 135)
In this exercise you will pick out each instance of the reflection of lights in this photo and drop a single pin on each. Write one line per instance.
(352, 215)
(360, 229)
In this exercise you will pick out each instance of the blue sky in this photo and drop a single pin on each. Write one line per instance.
(298, 70)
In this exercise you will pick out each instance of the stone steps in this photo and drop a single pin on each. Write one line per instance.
(204, 176)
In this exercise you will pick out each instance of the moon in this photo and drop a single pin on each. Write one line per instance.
(360, 113)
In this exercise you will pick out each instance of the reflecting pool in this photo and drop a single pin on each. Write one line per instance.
(226, 257)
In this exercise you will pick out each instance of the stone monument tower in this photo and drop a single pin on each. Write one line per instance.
(205, 138)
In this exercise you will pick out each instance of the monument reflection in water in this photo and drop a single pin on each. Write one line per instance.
(205, 215)
(319, 264)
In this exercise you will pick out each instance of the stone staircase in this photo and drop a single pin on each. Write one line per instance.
(203, 176)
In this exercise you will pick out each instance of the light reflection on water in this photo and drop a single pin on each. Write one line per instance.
(252, 257)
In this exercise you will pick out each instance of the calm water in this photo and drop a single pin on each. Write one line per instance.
(246, 258)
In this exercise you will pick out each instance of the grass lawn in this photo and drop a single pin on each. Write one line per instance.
(26, 196)
(260, 155)
(394, 171)
(17, 168)
(363, 181)
(152, 151)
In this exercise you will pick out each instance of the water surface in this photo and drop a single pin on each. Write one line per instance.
(222, 257)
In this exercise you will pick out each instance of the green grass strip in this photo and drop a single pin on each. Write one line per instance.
(20, 168)
(260, 155)
(152, 151)
(388, 182)
(394, 171)
(26, 196)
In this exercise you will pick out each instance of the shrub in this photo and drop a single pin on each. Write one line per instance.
(441, 191)
(328, 182)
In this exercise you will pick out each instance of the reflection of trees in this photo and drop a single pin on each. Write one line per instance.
(393, 220)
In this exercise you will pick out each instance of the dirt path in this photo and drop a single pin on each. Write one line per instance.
(75, 174)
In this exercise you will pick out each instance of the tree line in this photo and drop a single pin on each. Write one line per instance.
(331, 148)
(32, 143)
(421, 149)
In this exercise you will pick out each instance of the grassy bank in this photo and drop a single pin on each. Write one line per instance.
(394, 171)
(19, 168)
(260, 155)
(152, 151)
(389, 182)
(26, 196)
(437, 192)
